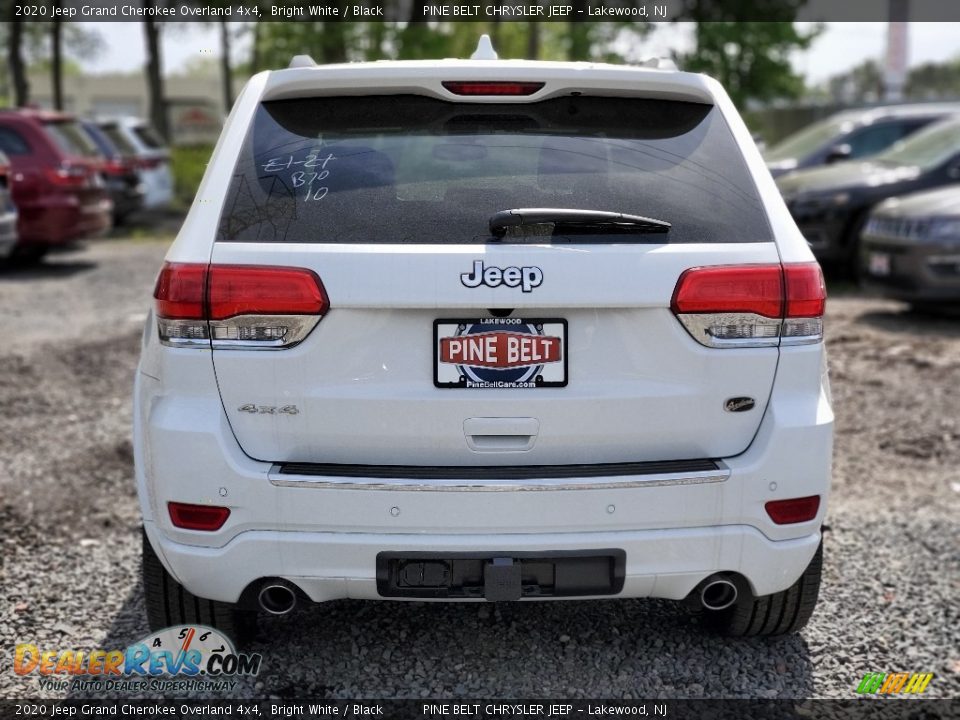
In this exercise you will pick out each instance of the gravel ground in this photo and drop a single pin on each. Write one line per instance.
(70, 542)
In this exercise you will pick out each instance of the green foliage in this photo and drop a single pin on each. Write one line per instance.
(934, 80)
(71, 68)
(750, 59)
(863, 83)
(188, 163)
(277, 42)
(79, 43)
(79, 40)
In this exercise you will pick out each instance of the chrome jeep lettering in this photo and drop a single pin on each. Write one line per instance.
(526, 278)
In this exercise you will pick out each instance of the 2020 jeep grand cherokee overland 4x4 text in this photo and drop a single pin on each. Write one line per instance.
(484, 330)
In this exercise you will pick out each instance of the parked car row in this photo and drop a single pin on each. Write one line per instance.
(890, 216)
(65, 179)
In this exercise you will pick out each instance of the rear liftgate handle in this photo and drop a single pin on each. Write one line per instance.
(501, 434)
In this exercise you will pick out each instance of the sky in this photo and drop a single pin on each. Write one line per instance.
(840, 47)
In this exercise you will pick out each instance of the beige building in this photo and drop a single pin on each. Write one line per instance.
(194, 103)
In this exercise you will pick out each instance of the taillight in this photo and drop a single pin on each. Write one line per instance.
(492, 87)
(794, 510)
(197, 517)
(237, 306)
(66, 175)
(752, 305)
(117, 166)
(150, 163)
(806, 300)
(180, 291)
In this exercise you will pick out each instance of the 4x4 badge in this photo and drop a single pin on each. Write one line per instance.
(527, 277)
(269, 409)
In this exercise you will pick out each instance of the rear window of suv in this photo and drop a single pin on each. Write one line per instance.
(115, 135)
(71, 138)
(412, 169)
(148, 137)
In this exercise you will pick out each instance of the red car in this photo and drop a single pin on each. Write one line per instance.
(54, 178)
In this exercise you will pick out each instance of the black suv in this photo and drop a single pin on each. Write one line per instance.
(831, 204)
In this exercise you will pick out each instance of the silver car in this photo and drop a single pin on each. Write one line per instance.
(911, 247)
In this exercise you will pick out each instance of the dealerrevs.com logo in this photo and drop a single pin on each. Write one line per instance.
(183, 657)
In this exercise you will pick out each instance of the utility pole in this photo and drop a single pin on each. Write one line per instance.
(895, 65)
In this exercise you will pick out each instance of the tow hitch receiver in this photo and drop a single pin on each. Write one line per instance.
(501, 580)
(498, 576)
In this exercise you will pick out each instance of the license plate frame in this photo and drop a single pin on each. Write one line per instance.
(551, 373)
(465, 575)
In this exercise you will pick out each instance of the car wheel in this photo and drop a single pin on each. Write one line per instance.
(168, 603)
(851, 261)
(936, 310)
(777, 614)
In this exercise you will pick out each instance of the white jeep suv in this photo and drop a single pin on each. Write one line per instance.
(484, 330)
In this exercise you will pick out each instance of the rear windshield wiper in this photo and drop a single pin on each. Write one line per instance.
(567, 221)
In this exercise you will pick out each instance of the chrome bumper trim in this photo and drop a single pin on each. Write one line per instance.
(329, 482)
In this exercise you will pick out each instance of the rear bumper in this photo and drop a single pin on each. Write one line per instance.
(127, 198)
(324, 534)
(61, 222)
(330, 566)
(157, 187)
(8, 233)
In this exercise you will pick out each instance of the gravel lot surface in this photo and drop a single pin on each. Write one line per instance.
(70, 540)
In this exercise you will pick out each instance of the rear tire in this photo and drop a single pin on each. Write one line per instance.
(851, 262)
(169, 603)
(28, 255)
(777, 614)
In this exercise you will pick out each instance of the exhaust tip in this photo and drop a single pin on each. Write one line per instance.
(718, 594)
(277, 599)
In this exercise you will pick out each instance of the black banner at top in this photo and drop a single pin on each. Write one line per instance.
(402, 11)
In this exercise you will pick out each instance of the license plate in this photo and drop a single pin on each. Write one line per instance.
(878, 264)
(505, 353)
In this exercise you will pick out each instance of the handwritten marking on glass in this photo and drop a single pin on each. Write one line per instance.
(301, 178)
(310, 161)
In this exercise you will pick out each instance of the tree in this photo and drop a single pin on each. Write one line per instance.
(273, 44)
(21, 87)
(579, 44)
(932, 81)
(154, 72)
(226, 70)
(750, 59)
(56, 65)
(863, 83)
(533, 40)
(42, 47)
